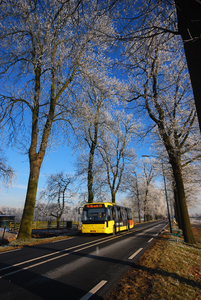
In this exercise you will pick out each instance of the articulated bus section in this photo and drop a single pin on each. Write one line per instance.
(106, 217)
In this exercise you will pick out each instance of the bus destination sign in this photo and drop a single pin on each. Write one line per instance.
(94, 205)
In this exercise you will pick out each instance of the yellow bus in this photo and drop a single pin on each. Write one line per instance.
(106, 217)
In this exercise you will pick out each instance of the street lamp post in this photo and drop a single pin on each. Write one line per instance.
(166, 197)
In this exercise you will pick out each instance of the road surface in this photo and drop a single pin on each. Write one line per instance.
(79, 268)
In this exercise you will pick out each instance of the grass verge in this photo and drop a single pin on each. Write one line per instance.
(167, 270)
(11, 243)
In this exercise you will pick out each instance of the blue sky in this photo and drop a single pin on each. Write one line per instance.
(60, 160)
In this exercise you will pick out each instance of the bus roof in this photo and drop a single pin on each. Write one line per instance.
(99, 203)
(102, 203)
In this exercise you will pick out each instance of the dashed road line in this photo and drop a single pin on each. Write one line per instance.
(4, 252)
(134, 254)
(94, 290)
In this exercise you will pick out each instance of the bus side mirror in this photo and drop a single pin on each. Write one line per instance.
(80, 209)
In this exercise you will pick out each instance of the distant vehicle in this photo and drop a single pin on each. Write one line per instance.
(164, 218)
(106, 217)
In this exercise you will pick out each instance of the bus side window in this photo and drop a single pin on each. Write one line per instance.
(129, 215)
(116, 214)
(108, 213)
(123, 213)
(113, 214)
(120, 214)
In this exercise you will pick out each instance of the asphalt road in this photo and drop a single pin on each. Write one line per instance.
(83, 267)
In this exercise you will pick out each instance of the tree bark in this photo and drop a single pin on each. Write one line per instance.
(113, 194)
(139, 216)
(189, 25)
(58, 222)
(145, 206)
(187, 230)
(26, 223)
(138, 198)
(35, 161)
(90, 175)
(91, 162)
(177, 209)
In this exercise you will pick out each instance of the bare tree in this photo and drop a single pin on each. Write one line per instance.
(142, 20)
(156, 203)
(56, 194)
(6, 172)
(45, 48)
(143, 194)
(93, 114)
(149, 173)
(115, 151)
(132, 184)
(168, 101)
(189, 27)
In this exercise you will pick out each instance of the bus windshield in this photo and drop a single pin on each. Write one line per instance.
(94, 214)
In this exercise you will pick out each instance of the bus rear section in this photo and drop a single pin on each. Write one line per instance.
(105, 218)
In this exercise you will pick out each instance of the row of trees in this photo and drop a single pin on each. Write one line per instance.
(48, 50)
(58, 57)
(161, 86)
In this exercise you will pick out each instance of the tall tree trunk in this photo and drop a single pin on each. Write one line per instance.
(145, 206)
(138, 199)
(26, 222)
(177, 209)
(139, 212)
(113, 194)
(187, 230)
(148, 215)
(189, 24)
(145, 213)
(139, 216)
(90, 176)
(58, 222)
(91, 162)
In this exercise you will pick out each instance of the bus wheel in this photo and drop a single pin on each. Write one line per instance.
(114, 230)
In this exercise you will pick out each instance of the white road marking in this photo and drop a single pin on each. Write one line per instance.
(150, 240)
(134, 254)
(4, 252)
(61, 240)
(94, 290)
